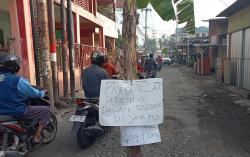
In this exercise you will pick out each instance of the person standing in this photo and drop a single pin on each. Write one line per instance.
(159, 62)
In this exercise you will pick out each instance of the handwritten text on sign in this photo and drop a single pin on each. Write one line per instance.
(126, 103)
(133, 136)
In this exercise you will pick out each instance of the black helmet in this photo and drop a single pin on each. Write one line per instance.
(151, 55)
(9, 63)
(97, 58)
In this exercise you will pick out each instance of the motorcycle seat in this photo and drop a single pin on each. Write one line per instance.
(6, 118)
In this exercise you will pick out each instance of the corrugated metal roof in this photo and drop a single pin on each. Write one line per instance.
(235, 7)
(216, 19)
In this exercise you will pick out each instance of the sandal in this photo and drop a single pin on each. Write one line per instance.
(37, 141)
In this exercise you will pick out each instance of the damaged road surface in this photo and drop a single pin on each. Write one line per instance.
(202, 118)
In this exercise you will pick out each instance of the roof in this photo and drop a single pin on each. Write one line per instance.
(235, 7)
(216, 19)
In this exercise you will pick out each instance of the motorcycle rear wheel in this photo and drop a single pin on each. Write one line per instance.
(49, 132)
(83, 140)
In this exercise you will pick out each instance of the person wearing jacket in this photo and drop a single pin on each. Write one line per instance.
(93, 75)
(150, 67)
(14, 90)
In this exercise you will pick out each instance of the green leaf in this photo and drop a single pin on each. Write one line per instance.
(164, 8)
(185, 13)
(184, 4)
(165, 51)
(141, 3)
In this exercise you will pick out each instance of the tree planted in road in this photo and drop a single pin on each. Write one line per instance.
(183, 10)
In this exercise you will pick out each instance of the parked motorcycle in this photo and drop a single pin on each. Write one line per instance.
(86, 125)
(16, 134)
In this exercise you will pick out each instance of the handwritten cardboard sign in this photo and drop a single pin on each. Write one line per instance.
(126, 103)
(133, 136)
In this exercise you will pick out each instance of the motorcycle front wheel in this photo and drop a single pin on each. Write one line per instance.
(49, 132)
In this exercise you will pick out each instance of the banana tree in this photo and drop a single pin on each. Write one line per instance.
(181, 10)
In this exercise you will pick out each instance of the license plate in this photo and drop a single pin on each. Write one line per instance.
(75, 118)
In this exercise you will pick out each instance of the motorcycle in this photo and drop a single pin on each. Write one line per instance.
(86, 125)
(151, 74)
(16, 135)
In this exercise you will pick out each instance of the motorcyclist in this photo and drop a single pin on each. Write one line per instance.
(109, 67)
(14, 90)
(150, 67)
(93, 75)
(91, 81)
(140, 70)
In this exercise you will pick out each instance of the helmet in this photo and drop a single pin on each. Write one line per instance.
(9, 63)
(151, 55)
(97, 58)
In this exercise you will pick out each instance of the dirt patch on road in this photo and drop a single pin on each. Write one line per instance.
(220, 115)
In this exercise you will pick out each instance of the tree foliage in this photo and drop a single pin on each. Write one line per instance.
(166, 10)
(151, 45)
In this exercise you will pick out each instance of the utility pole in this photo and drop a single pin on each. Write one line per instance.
(45, 54)
(71, 48)
(64, 50)
(146, 27)
(153, 33)
(154, 38)
(51, 15)
(188, 50)
(176, 38)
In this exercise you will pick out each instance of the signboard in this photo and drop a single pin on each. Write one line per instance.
(131, 103)
(133, 136)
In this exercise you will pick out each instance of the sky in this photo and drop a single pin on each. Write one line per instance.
(204, 9)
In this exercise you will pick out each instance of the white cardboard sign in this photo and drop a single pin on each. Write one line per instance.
(131, 103)
(133, 136)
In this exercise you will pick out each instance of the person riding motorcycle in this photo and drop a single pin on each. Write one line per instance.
(91, 84)
(109, 67)
(140, 70)
(150, 67)
(93, 75)
(14, 91)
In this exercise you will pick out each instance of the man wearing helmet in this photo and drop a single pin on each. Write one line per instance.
(150, 67)
(93, 75)
(14, 90)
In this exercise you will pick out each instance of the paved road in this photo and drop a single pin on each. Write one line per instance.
(201, 120)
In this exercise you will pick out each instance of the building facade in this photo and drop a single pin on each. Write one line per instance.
(93, 31)
(237, 64)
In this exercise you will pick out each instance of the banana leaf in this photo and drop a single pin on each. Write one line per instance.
(166, 10)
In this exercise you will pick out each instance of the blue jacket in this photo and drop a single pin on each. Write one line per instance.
(13, 93)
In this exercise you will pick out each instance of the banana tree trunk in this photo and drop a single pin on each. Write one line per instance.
(129, 51)
(129, 38)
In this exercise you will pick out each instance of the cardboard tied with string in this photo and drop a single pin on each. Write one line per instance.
(135, 105)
